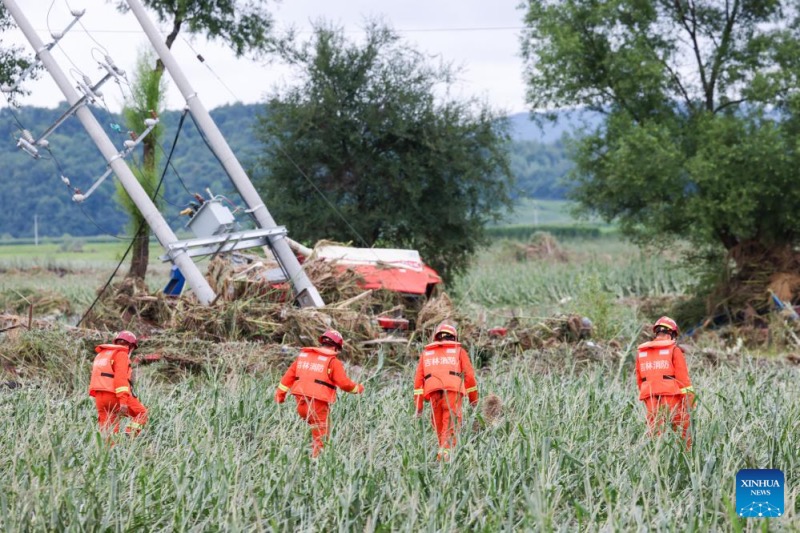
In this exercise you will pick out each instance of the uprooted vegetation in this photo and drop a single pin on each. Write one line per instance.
(744, 286)
(541, 246)
(253, 325)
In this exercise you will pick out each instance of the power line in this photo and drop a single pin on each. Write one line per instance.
(62, 172)
(461, 29)
(203, 61)
(80, 23)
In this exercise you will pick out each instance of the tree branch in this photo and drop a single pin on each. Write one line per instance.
(728, 104)
(692, 31)
(176, 28)
(672, 73)
(722, 49)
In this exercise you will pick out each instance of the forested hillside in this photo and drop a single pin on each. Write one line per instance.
(33, 187)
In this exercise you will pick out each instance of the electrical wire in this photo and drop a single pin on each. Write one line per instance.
(203, 61)
(74, 190)
(175, 170)
(80, 23)
(302, 173)
(138, 230)
(10, 106)
(324, 197)
(160, 146)
(161, 196)
(461, 29)
(47, 18)
(58, 43)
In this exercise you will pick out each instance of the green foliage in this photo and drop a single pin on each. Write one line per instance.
(609, 319)
(148, 91)
(245, 26)
(700, 137)
(523, 232)
(364, 150)
(13, 60)
(734, 186)
(147, 97)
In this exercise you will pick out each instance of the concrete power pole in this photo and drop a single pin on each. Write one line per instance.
(307, 294)
(132, 186)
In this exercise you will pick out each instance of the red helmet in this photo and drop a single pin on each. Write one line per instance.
(445, 329)
(668, 323)
(125, 335)
(332, 336)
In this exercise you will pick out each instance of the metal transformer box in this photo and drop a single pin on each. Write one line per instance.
(212, 218)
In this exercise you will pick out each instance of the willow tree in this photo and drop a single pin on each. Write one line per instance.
(365, 148)
(245, 25)
(701, 106)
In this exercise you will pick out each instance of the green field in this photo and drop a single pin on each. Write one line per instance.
(544, 212)
(570, 453)
(74, 253)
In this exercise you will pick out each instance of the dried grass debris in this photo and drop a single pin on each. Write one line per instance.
(491, 413)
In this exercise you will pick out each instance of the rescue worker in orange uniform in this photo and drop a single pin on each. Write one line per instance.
(663, 380)
(313, 378)
(444, 375)
(110, 386)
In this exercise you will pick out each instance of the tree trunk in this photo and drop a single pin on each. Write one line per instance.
(141, 253)
(140, 257)
(755, 270)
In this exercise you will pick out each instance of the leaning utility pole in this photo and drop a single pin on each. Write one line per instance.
(307, 294)
(132, 186)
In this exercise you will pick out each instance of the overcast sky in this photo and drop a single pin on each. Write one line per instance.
(480, 35)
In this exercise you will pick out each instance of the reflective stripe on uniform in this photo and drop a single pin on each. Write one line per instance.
(135, 425)
(417, 392)
(472, 389)
(122, 389)
(355, 389)
(283, 387)
(687, 390)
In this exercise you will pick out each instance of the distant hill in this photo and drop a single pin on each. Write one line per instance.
(545, 131)
(33, 187)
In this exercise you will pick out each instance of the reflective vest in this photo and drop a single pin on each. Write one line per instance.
(656, 369)
(312, 379)
(103, 368)
(441, 367)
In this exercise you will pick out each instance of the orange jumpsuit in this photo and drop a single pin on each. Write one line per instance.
(312, 379)
(110, 386)
(444, 375)
(664, 386)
